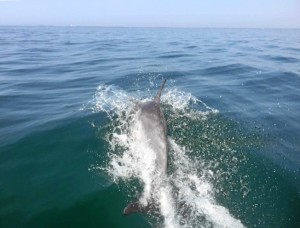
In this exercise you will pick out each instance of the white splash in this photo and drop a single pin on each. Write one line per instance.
(185, 197)
(181, 101)
(196, 195)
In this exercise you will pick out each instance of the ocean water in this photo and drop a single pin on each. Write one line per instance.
(232, 105)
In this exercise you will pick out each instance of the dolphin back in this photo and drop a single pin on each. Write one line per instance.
(151, 118)
(158, 95)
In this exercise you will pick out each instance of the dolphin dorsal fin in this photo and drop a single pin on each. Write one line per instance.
(157, 98)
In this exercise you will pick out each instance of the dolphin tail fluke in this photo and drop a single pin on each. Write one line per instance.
(132, 208)
(137, 208)
(157, 98)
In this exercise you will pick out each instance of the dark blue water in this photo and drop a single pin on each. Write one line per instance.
(56, 88)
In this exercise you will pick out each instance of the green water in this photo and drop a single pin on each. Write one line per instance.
(232, 109)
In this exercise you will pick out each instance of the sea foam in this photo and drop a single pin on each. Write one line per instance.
(186, 198)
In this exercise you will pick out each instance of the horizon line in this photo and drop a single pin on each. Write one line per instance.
(150, 27)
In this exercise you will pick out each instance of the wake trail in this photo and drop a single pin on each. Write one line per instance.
(187, 197)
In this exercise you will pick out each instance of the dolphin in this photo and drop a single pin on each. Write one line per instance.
(150, 116)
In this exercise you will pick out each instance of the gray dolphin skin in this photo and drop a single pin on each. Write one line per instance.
(152, 119)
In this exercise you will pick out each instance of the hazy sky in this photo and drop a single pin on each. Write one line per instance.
(153, 13)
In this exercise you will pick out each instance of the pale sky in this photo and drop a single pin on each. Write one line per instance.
(153, 13)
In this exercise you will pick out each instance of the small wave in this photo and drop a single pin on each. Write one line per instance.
(171, 56)
(294, 49)
(281, 59)
(229, 69)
